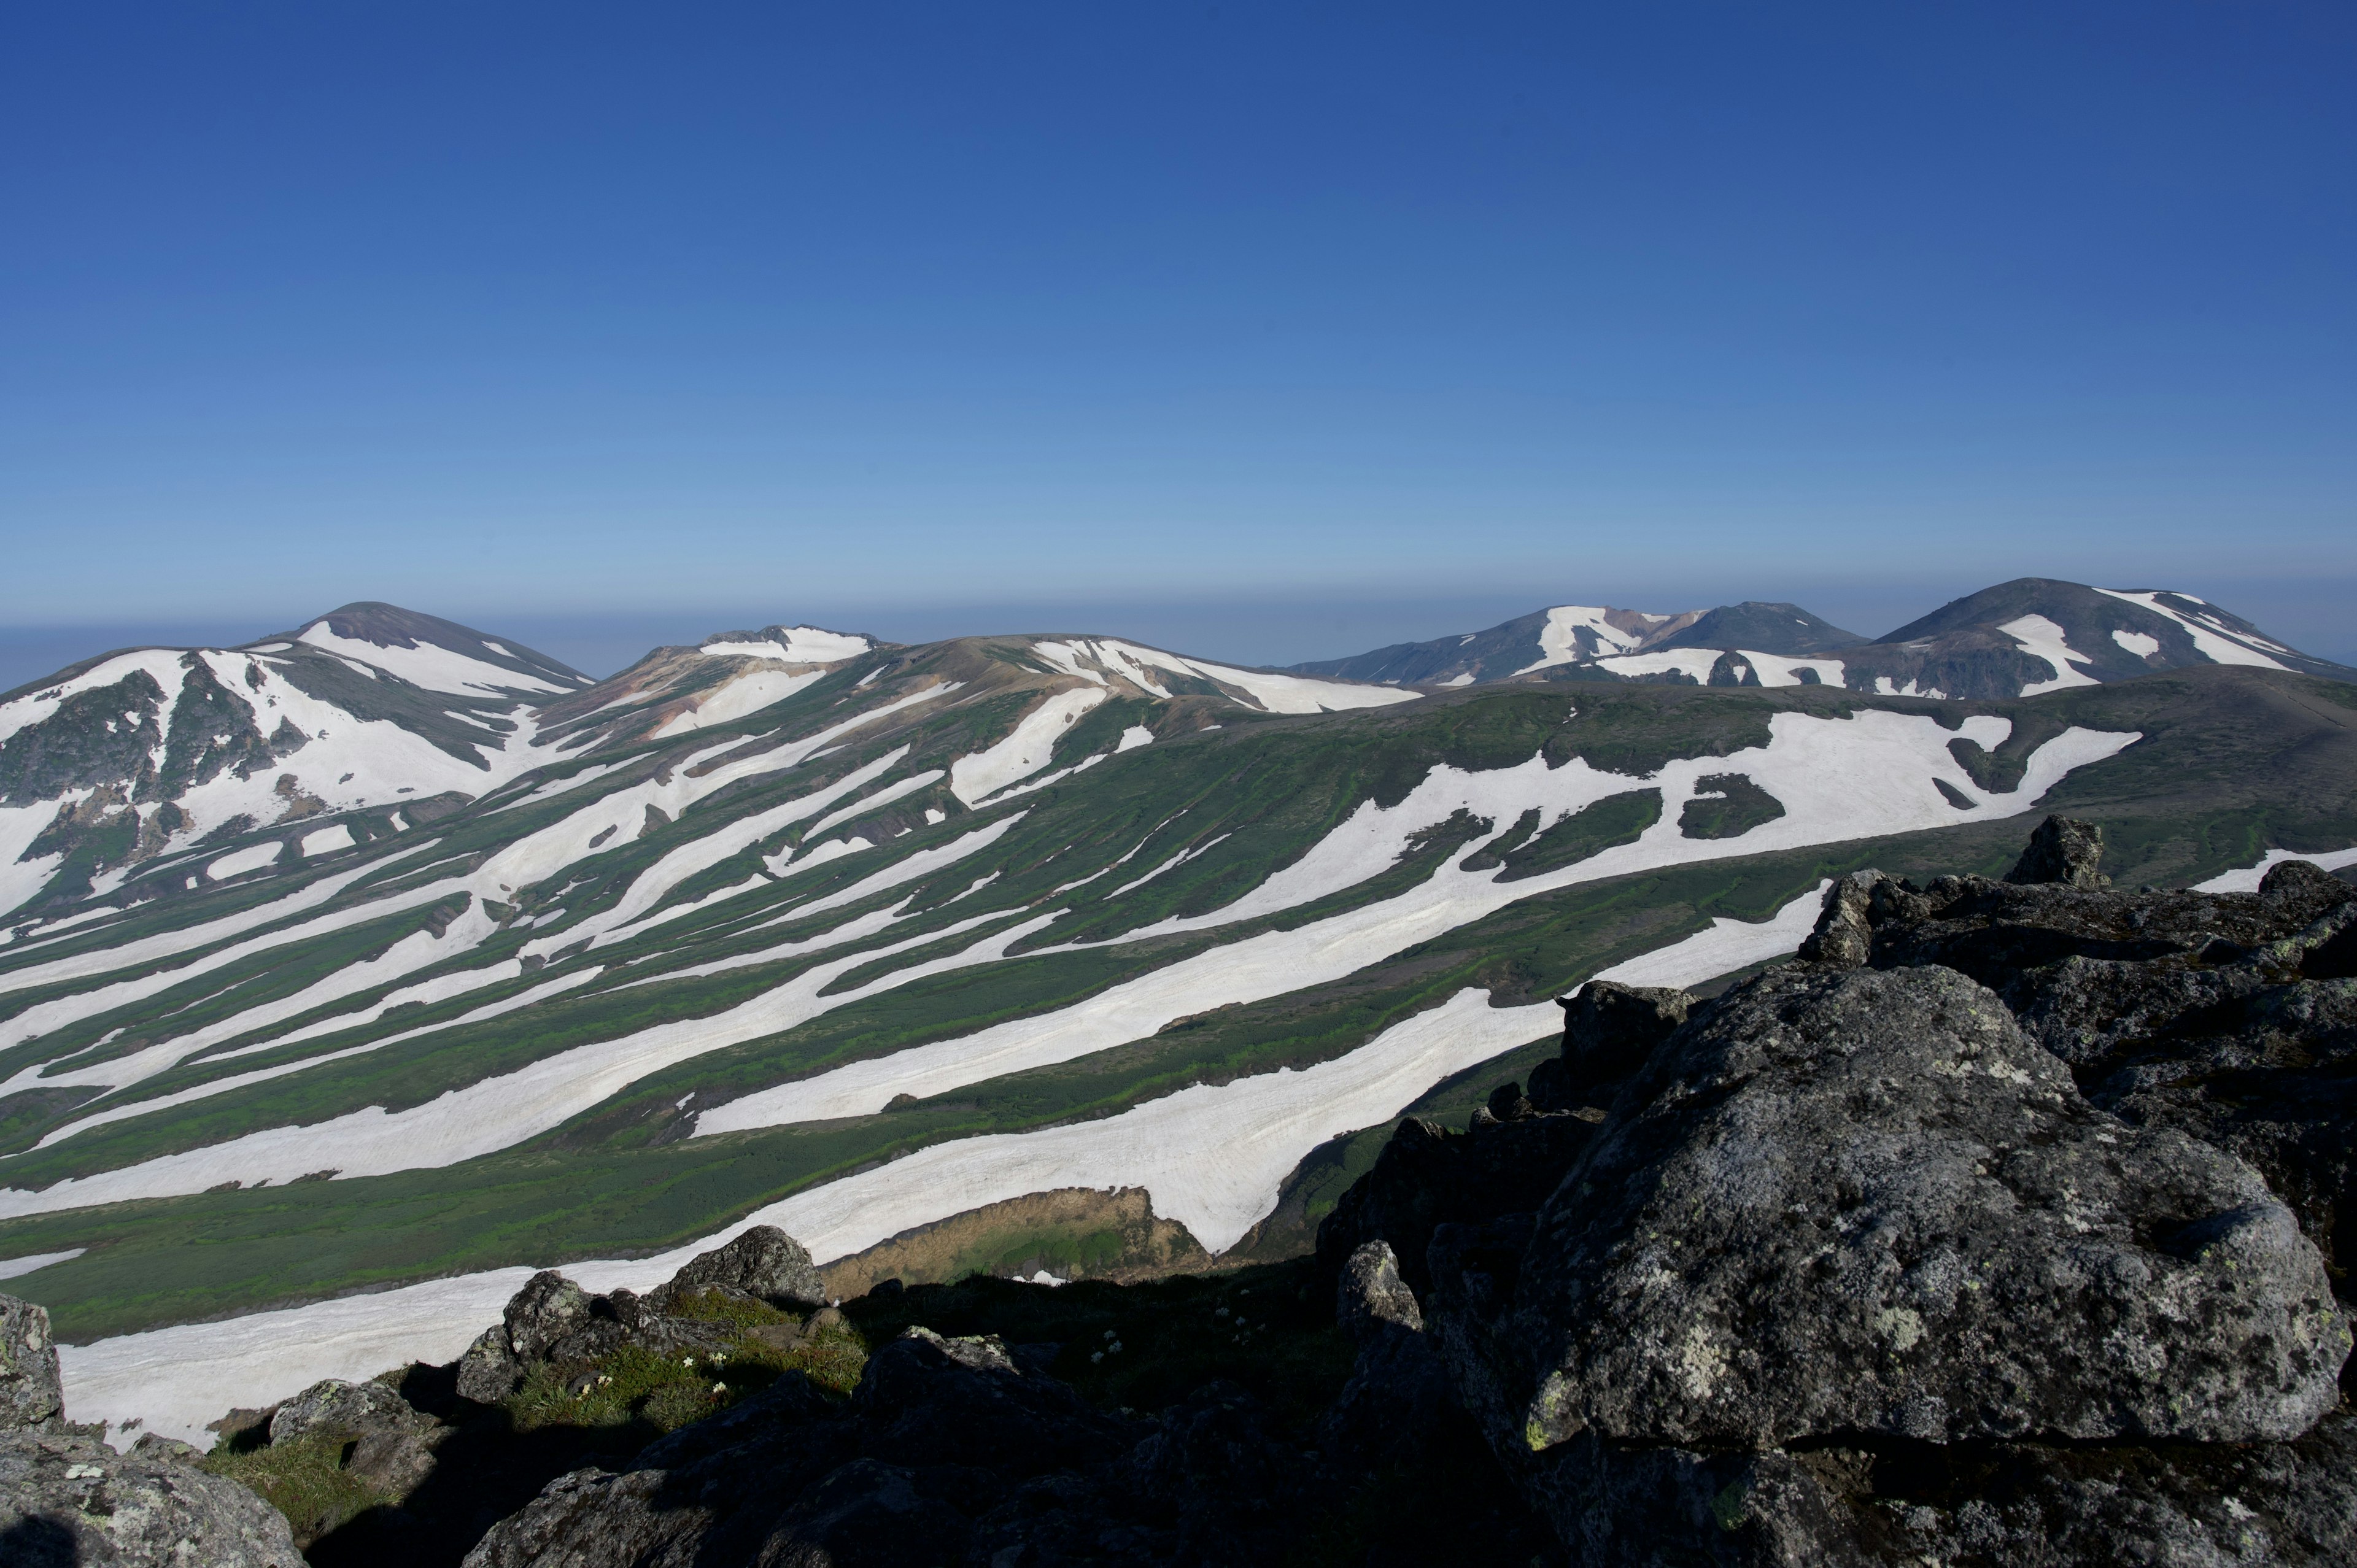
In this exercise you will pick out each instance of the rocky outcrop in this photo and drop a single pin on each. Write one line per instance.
(554, 1322)
(2230, 1016)
(1860, 1203)
(764, 1262)
(1853, 1271)
(30, 1394)
(68, 1499)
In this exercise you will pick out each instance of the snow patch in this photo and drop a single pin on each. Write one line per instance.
(2210, 640)
(328, 840)
(1559, 638)
(1026, 748)
(237, 863)
(2042, 639)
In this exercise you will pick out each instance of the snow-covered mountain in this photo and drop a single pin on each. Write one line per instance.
(2019, 638)
(148, 757)
(864, 938)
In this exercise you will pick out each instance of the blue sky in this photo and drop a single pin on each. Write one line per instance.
(1271, 330)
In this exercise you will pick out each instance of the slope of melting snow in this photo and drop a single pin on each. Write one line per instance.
(1135, 737)
(1026, 748)
(746, 694)
(1774, 669)
(430, 665)
(327, 838)
(2211, 641)
(1214, 1156)
(559, 786)
(1692, 661)
(411, 953)
(878, 801)
(1862, 776)
(1559, 640)
(164, 944)
(731, 837)
(239, 1080)
(2247, 880)
(1182, 858)
(907, 869)
(2042, 639)
(1042, 782)
(1884, 686)
(804, 645)
(495, 1113)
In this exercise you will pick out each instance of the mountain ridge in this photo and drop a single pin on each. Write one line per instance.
(2016, 638)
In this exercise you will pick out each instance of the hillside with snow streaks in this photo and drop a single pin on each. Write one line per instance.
(950, 923)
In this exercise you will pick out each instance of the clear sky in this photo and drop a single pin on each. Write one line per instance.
(1275, 330)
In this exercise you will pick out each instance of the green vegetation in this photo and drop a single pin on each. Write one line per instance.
(1726, 806)
(305, 1480)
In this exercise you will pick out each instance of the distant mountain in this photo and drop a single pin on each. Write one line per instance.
(1595, 640)
(135, 756)
(2035, 634)
(877, 943)
(2019, 638)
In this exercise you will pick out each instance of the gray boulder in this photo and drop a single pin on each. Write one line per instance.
(69, 1501)
(764, 1262)
(2064, 850)
(543, 1314)
(490, 1371)
(30, 1394)
(1372, 1294)
(1859, 1202)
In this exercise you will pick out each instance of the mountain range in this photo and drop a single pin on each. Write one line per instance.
(388, 956)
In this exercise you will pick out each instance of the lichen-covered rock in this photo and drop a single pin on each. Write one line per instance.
(1372, 1294)
(1859, 1202)
(334, 1406)
(490, 1371)
(68, 1501)
(542, 1312)
(764, 1262)
(30, 1394)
